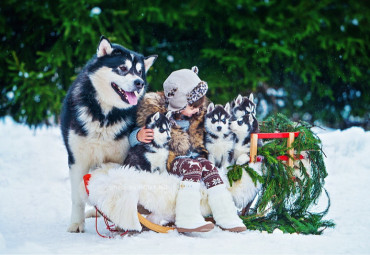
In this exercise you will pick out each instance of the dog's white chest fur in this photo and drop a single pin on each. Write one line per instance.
(92, 150)
(99, 145)
(219, 149)
(158, 159)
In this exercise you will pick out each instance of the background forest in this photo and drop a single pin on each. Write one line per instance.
(307, 59)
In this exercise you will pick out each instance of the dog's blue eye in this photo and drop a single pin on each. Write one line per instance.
(240, 122)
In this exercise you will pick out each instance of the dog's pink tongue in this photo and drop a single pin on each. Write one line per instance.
(131, 97)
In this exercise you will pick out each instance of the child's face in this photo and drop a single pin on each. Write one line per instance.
(189, 111)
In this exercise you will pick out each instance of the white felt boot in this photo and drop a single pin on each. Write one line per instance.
(224, 210)
(188, 214)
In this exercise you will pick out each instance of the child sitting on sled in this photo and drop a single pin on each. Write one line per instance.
(184, 95)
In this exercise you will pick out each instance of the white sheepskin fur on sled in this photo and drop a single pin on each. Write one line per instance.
(117, 191)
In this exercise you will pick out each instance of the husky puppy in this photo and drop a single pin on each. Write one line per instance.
(152, 156)
(219, 140)
(243, 122)
(99, 112)
(243, 105)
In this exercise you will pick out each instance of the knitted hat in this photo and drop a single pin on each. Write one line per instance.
(183, 87)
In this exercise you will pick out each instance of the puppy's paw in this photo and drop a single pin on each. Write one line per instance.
(76, 227)
(242, 159)
(257, 167)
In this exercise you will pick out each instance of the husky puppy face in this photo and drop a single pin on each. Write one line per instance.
(243, 105)
(243, 125)
(161, 127)
(217, 119)
(118, 75)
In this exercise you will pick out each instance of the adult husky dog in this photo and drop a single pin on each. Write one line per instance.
(99, 112)
(152, 156)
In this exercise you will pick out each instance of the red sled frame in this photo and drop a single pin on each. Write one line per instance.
(290, 151)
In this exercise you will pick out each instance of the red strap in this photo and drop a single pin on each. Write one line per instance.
(285, 158)
(110, 227)
(86, 182)
(275, 135)
(282, 158)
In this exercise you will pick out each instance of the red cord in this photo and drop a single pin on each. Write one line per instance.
(110, 227)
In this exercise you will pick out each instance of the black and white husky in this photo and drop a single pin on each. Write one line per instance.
(219, 140)
(99, 112)
(241, 106)
(243, 122)
(152, 156)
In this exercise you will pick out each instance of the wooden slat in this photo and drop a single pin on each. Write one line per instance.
(290, 151)
(253, 148)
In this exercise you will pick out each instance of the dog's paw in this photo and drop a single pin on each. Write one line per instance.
(257, 167)
(242, 159)
(76, 227)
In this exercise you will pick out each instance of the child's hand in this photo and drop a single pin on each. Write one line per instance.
(145, 135)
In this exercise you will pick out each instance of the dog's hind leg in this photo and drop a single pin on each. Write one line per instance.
(76, 173)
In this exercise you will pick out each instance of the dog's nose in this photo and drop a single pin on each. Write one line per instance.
(139, 83)
(168, 138)
(219, 128)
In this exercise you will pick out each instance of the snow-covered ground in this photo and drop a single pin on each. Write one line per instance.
(35, 205)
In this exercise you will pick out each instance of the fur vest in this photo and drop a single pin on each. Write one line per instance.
(182, 142)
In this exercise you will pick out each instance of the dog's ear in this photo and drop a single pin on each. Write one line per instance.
(155, 117)
(238, 100)
(104, 47)
(210, 107)
(149, 61)
(251, 98)
(227, 108)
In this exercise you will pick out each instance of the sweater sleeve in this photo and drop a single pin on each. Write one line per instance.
(133, 137)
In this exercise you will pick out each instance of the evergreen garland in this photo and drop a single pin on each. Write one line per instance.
(287, 193)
